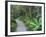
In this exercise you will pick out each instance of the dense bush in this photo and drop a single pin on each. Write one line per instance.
(30, 15)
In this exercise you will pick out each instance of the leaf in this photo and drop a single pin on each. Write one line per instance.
(35, 21)
(32, 23)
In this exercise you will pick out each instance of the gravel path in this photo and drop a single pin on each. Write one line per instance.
(20, 26)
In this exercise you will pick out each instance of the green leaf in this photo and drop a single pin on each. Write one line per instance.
(32, 23)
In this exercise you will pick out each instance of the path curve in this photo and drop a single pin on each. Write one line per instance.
(20, 26)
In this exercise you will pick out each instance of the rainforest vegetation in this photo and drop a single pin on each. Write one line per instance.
(30, 15)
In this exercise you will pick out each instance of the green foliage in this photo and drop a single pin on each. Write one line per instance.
(32, 24)
(30, 15)
(12, 19)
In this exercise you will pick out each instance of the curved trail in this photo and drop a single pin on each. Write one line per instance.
(20, 26)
